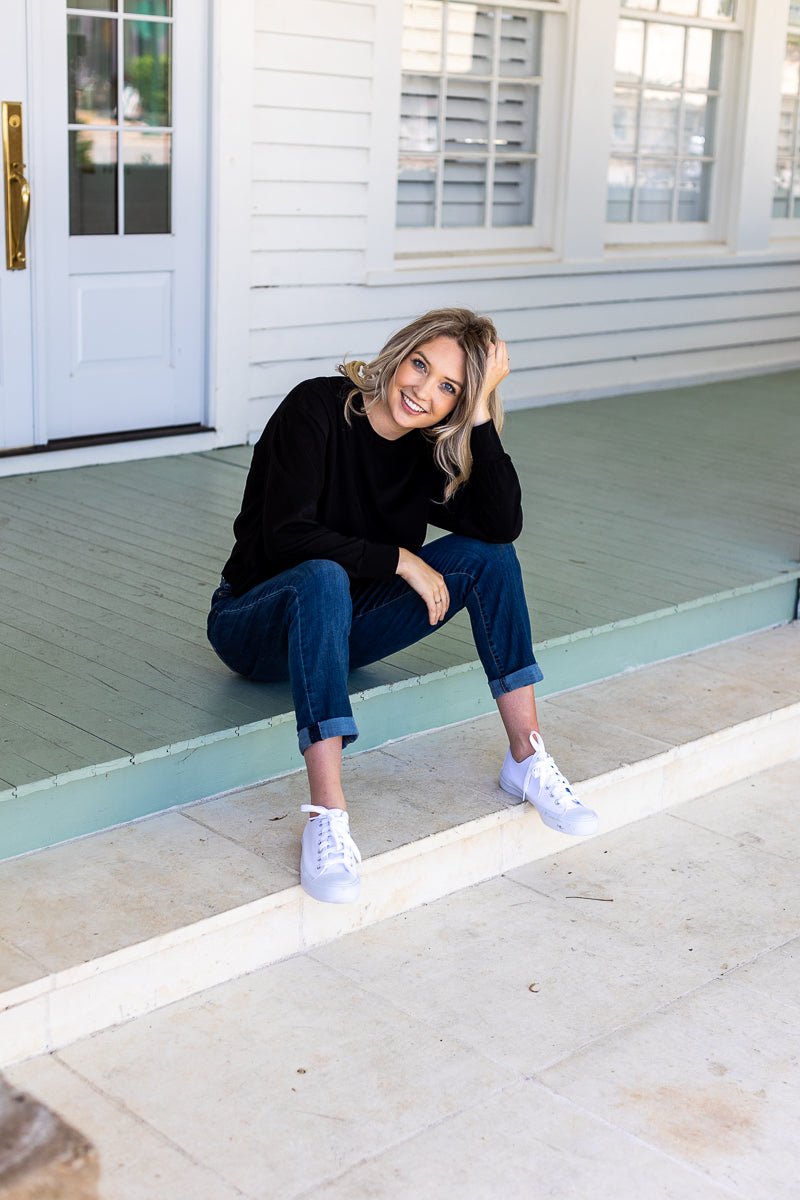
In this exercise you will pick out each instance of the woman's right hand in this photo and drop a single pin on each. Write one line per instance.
(426, 582)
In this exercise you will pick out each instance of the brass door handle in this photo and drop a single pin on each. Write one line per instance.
(16, 188)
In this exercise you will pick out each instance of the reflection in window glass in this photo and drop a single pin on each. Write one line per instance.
(416, 192)
(464, 192)
(147, 181)
(91, 70)
(786, 187)
(97, 5)
(468, 114)
(662, 142)
(149, 8)
(145, 96)
(92, 182)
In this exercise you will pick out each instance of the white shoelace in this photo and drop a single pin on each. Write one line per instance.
(544, 769)
(335, 846)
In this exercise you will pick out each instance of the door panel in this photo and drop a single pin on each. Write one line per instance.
(16, 377)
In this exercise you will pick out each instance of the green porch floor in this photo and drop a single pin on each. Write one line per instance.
(655, 524)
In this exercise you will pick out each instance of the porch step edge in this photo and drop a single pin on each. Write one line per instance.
(60, 1008)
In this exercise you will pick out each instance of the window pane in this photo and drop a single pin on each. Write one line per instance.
(520, 44)
(98, 5)
(698, 58)
(663, 62)
(91, 70)
(416, 192)
(680, 8)
(655, 186)
(422, 36)
(146, 157)
(642, 5)
(693, 191)
(697, 136)
(621, 178)
(790, 83)
(467, 115)
(146, 94)
(419, 114)
(717, 9)
(782, 189)
(149, 8)
(658, 129)
(92, 182)
(625, 120)
(512, 195)
(470, 34)
(516, 118)
(463, 192)
(786, 126)
(630, 49)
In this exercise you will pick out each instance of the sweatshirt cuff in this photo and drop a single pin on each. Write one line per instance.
(484, 442)
(379, 561)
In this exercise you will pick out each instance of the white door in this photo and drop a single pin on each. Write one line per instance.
(16, 373)
(117, 121)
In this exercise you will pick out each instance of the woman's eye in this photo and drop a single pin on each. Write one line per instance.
(448, 387)
(419, 363)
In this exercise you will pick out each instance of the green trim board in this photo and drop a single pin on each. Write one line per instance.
(118, 791)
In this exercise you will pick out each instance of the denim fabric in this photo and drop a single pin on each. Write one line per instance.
(308, 626)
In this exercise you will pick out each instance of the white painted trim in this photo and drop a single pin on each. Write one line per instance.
(90, 456)
(231, 117)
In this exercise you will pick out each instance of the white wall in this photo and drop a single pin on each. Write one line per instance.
(581, 319)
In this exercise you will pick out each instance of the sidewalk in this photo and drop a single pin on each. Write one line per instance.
(618, 1019)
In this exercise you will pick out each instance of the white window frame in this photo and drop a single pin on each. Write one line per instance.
(640, 233)
(417, 246)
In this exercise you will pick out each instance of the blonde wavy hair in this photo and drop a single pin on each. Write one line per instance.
(372, 381)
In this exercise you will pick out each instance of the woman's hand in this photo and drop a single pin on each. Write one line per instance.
(496, 370)
(426, 582)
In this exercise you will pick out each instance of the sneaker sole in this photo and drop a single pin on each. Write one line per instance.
(338, 893)
(589, 822)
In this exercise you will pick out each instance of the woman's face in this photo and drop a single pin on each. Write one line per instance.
(426, 388)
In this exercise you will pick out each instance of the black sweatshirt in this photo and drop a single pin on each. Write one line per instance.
(319, 487)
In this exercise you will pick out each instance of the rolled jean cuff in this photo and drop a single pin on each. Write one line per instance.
(343, 727)
(517, 679)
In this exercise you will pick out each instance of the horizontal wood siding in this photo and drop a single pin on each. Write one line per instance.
(573, 331)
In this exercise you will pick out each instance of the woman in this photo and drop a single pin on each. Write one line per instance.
(329, 571)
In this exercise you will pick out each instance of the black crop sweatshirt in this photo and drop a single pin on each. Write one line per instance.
(319, 487)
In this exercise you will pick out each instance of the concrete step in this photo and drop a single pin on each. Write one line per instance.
(118, 924)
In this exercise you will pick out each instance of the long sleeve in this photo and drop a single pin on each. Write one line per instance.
(489, 505)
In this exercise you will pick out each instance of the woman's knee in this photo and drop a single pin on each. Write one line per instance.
(321, 581)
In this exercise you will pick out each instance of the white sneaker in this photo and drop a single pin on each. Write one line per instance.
(329, 859)
(539, 780)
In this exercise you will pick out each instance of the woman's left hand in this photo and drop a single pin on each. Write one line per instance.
(496, 370)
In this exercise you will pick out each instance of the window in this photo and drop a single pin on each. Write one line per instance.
(786, 195)
(470, 123)
(667, 97)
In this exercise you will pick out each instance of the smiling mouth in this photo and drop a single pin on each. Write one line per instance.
(415, 409)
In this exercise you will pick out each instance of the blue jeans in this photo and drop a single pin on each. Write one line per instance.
(309, 626)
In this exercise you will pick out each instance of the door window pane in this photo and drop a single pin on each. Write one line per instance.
(92, 182)
(91, 70)
(147, 158)
(422, 35)
(97, 5)
(625, 120)
(150, 8)
(517, 118)
(419, 114)
(520, 44)
(693, 191)
(145, 96)
(630, 51)
(467, 116)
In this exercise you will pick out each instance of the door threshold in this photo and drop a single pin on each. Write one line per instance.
(108, 439)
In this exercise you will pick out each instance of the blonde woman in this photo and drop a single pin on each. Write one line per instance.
(330, 571)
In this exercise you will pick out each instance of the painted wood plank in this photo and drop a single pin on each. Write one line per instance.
(310, 127)
(284, 88)
(335, 18)
(308, 233)
(331, 198)
(324, 55)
